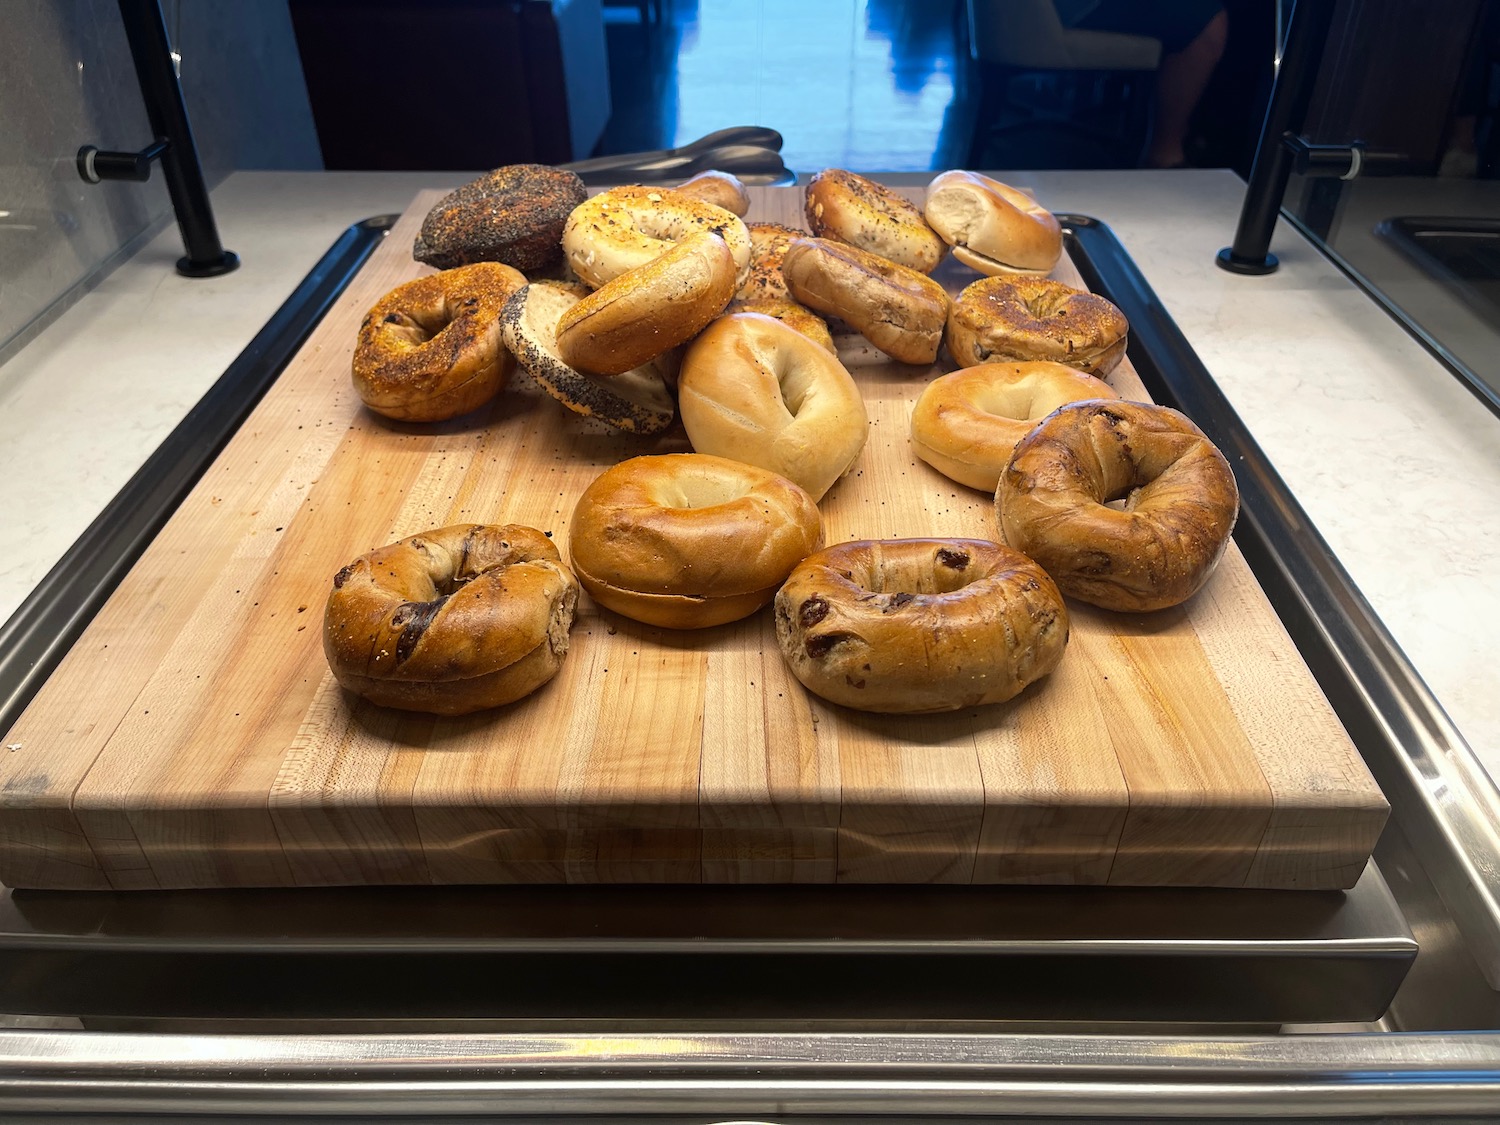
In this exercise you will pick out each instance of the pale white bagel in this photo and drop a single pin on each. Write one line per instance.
(648, 310)
(687, 541)
(992, 227)
(626, 227)
(966, 424)
(754, 390)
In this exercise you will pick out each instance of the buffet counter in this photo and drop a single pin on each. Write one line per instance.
(1389, 456)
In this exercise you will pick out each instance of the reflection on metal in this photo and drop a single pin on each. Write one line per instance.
(1318, 1076)
(1439, 791)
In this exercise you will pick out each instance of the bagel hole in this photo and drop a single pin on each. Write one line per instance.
(417, 327)
(702, 491)
(914, 578)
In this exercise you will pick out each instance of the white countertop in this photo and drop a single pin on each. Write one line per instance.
(1397, 464)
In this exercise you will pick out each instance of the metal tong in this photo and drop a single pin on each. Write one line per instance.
(751, 152)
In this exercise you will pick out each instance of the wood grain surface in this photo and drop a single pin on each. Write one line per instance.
(194, 737)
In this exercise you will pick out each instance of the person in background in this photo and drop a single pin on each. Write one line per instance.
(1192, 33)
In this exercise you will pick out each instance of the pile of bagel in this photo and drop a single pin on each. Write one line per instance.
(647, 308)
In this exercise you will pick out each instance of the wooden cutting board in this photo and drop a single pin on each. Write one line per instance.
(194, 738)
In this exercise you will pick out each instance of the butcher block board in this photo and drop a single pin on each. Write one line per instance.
(193, 737)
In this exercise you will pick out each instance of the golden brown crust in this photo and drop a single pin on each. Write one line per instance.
(991, 226)
(900, 311)
(686, 541)
(1018, 319)
(1181, 503)
(768, 246)
(920, 625)
(452, 620)
(852, 209)
(966, 424)
(626, 227)
(754, 390)
(513, 215)
(637, 401)
(794, 316)
(649, 310)
(719, 188)
(430, 349)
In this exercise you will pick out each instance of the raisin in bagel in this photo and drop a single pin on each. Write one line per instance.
(430, 349)
(852, 209)
(992, 227)
(513, 215)
(452, 620)
(1180, 503)
(966, 423)
(755, 390)
(626, 227)
(919, 625)
(687, 541)
(1016, 319)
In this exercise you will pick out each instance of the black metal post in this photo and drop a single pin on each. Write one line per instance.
(1306, 34)
(147, 31)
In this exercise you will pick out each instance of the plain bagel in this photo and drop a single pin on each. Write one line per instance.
(920, 625)
(852, 209)
(755, 390)
(719, 188)
(686, 541)
(452, 620)
(899, 310)
(650, 309)
(966, 423)
(992, 227)
(626, 227)
(430, 349)
(1180, 503)
(1016, 319)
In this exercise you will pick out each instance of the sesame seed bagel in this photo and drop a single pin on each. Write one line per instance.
(626, 227)
(513, 215)
(1017, 319)
(637, 401)
(858, 211)
(430, 349)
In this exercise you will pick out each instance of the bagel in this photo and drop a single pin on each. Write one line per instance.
(650, 309)
(430, 349)
(513, 215)
(899, 310)
(1180, 503)
(992, 227)
(966, 423)
(686, 541)
(637, 401)
(452, 620)
(719, 188)
(852, 209)
(920, 625)
(755, 390)
(1017, 319)
(626, 227)
(793, 315)
(768, 246)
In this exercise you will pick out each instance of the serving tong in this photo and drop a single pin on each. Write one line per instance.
(750, 152)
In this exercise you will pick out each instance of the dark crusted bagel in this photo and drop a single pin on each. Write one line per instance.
(513, 215)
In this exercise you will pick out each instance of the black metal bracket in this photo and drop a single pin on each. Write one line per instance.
(96, 165)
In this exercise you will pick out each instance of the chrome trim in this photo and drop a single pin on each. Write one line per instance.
(1437, 787)
(1319, 1076)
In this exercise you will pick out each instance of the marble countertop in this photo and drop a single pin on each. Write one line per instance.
(1397, 464)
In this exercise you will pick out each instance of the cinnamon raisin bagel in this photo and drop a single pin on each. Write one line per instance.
(686, 541)
(1017, 319)
(452, 620)
(430, 349)
(919, 625)
(852, 209)
(1180, 503)
(899, 310)
(626, 227)
(966, 423)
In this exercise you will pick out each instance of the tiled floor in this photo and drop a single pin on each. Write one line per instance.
(866, 84)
